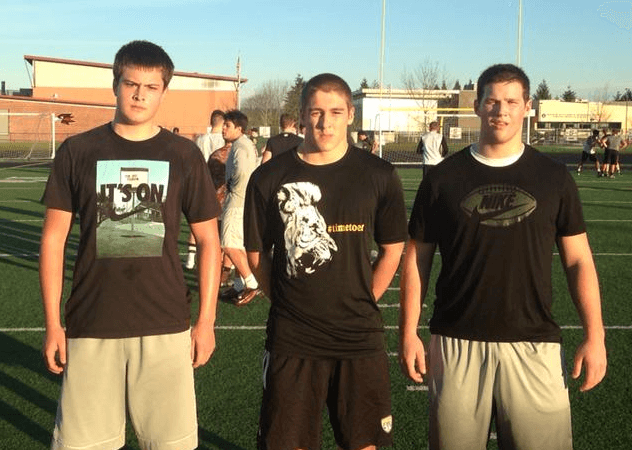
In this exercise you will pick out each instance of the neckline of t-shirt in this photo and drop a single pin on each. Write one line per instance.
(324, 166)
(496, 162)
(128, 141)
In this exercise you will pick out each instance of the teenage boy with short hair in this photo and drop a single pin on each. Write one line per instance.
(241, 161)
(495, 210)
(285, 140)
(128, 345)
(321, 206)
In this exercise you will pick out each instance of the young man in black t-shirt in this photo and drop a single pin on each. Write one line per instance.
(320, 207)
(128, 346)
(287, 139)
(495, 210)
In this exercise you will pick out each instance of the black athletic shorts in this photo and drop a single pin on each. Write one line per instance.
(613, 156)
(589, 156)
(295, 392)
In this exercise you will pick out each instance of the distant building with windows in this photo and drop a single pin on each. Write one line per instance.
(574, 120)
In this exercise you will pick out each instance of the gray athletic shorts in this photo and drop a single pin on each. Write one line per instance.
(150, 377)
(522, 383)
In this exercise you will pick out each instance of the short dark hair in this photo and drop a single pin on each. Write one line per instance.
(326, 82)
(362, 132)
(287, 121)
(595, 132)
(238, 119)
(216, 116)
(144, 54)
(500, 73)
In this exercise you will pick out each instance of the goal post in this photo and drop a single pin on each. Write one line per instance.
(459, 125)
(27, 135)
(399, 147)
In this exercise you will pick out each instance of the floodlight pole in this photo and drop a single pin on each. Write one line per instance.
(519, 40)
(238, 82)
(381, 72)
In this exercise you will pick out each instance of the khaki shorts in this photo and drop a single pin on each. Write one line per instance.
(150, 377)
(233, 228)
(522, 383)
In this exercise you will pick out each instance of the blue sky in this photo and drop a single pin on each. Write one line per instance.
(582, 43)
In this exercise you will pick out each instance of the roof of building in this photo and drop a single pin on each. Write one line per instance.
(31, 58)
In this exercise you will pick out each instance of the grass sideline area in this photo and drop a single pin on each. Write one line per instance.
(229, 386)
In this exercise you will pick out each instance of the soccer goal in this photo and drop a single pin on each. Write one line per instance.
(400, 147)
(27, 135)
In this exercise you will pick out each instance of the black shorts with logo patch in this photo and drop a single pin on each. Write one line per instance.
(355, 391)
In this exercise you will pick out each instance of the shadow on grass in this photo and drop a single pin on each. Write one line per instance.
(211, 441)
(16, 353)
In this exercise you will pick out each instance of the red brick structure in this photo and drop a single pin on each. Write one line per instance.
(84, 89)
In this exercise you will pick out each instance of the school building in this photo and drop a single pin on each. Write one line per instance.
(83, 91)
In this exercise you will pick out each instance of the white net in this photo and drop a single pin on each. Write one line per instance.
(26, 135)
(401, 148)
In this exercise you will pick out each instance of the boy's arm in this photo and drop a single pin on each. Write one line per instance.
(413, 288)
(209, 264)
(266, 154)
(583, 285)
(384, 267)
(57, 225)
(261, 265)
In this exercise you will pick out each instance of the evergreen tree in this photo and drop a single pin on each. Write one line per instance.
(364, 84)
(293, 97)
(569, 95)
(444, 86)
(457, 86)
(542, 92)
(625, 97)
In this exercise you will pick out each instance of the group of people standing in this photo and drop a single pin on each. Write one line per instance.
(612, 144)
(305, 223)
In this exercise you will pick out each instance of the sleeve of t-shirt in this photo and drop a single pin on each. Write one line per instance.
(255, 218)
(570, 218)
(390, 220)
(420, 227)
(199, 199)
(58, 192)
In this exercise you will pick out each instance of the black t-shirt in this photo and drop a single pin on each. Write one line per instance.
(282, 143)
(321, 221)
(128, 278)
(496, 229)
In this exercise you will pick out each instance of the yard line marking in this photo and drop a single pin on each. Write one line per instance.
(21, 238)
(597, 202)
(263, 327)
(416, 388)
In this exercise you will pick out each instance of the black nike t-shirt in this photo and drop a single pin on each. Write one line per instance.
(496, 229)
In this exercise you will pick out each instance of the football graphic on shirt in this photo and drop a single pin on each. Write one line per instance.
(307, 243)
(498, 205)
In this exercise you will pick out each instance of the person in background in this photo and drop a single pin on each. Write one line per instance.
(285, 140)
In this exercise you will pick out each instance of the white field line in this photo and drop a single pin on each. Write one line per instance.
(263, 327)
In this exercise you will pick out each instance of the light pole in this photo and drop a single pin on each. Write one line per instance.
(519, 40)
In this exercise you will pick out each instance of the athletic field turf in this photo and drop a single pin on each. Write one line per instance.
(229, 387)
